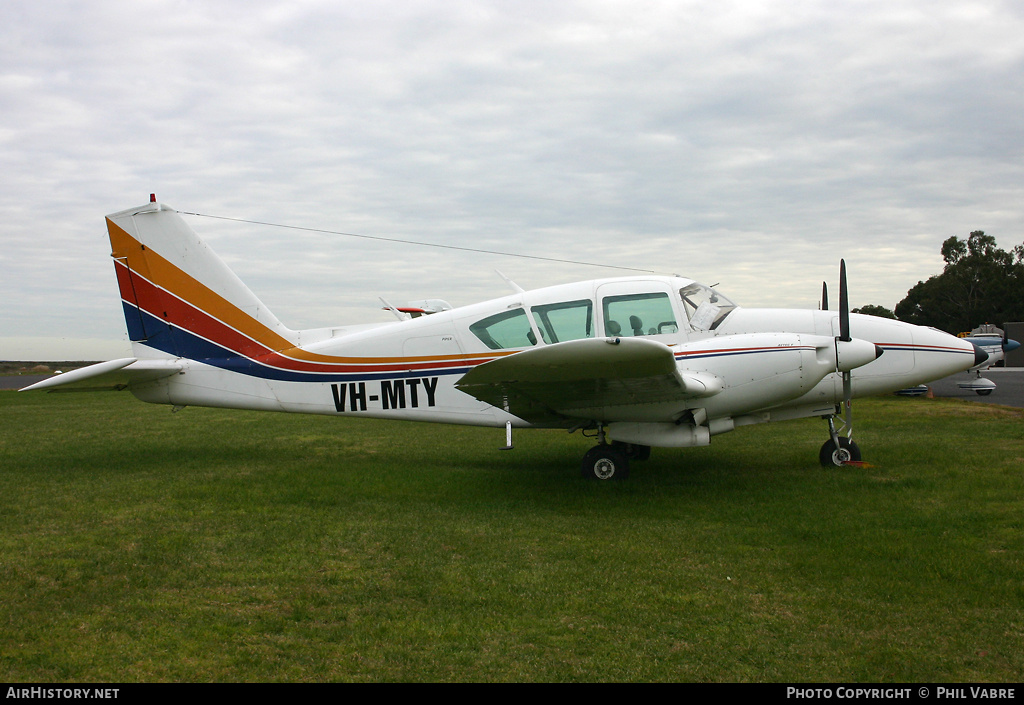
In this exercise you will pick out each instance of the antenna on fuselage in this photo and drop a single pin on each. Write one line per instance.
(518, 289)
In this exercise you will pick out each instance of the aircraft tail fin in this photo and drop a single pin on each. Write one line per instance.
(179, 298)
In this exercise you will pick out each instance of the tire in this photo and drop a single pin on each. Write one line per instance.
(832, 457)
(605, 462)
(983, 392)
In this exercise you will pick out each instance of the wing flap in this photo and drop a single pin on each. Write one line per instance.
(110, 375)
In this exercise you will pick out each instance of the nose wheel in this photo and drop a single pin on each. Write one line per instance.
(838, 450)
(833, 455)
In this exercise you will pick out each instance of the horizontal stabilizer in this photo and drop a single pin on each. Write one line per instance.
(110, 375)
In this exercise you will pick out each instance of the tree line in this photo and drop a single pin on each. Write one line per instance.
(980, 283)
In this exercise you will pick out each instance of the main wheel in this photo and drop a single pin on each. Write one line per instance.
(833, 457)
(605, 462)
(983, 392)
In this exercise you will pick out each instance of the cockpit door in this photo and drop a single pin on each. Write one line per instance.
(640, 309)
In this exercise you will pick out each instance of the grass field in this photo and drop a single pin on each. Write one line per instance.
(210, 545)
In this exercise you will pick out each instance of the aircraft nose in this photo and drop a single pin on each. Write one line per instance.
(979, 355)
(1009, 345)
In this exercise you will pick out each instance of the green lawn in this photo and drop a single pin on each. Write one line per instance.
(211, 545)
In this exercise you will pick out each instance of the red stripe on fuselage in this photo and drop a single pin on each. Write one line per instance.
(167, 307)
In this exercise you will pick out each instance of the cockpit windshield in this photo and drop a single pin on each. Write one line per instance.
(705, 307)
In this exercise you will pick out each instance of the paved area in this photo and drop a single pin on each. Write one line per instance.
(19, 381)
(1009, 389)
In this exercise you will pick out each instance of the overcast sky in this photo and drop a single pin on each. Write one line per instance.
(745, 144)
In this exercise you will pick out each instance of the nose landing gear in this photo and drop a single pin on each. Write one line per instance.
(838, 450)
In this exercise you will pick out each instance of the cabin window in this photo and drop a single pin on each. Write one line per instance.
(560, 322)
(639, 314)
(508, 329)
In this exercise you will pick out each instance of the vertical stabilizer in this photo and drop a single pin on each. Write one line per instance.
(179, 297)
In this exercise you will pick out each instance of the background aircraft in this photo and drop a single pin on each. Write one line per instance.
(634, 362)
(996, 344)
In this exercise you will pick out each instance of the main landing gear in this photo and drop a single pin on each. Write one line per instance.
(610, 461)
(605, 462)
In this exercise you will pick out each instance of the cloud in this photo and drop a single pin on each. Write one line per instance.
(737, 142)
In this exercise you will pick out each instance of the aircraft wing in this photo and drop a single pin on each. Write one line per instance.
(573, 379)
(110, 375)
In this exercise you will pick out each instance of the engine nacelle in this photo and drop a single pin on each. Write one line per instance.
(660, 435)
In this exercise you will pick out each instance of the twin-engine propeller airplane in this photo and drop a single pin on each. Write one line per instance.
(637, 361)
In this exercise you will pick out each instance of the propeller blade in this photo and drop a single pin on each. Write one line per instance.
(824, 296)
(844, 304)
(844, 336)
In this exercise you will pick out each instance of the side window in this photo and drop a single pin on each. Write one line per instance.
(560, 322)
(508, 329)
(639, 314)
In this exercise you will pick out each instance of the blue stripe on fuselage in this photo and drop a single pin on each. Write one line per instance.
(181, 343)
